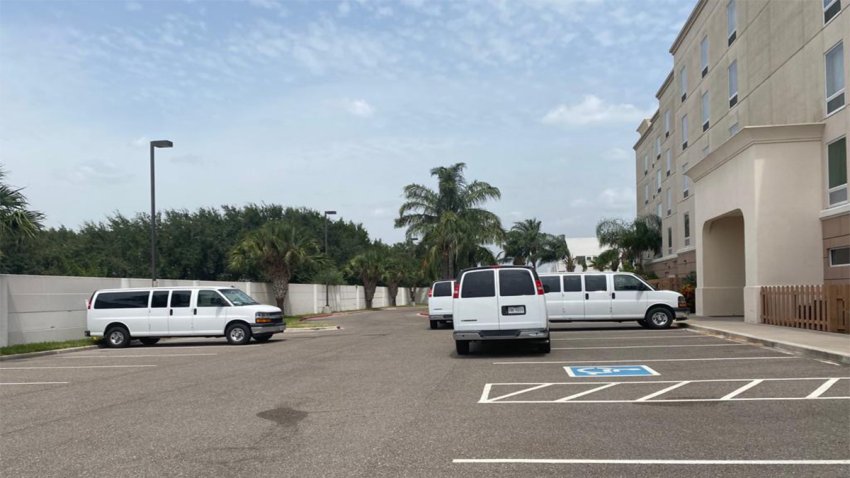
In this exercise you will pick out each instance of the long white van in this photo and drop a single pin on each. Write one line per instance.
(499, 303)
(611, 296)
(440, 303)
(147, 314)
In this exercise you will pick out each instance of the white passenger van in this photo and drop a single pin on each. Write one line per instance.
(611, 296)
(440, 303)
(499, 303)
(120, 315)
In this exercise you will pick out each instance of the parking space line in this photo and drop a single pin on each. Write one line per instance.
(33, 383)
(823, 388)
(645, 337)
(169, 347)
(538, 387)
(708, 359)
(79, 366)
(137, 355)
(741, 390)
(645, 462)
(663, 391)
(586, 392)
(651, 346)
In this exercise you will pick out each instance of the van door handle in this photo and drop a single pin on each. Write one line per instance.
(613, 295)
(170, 311)
(194, 311)
(586, 296)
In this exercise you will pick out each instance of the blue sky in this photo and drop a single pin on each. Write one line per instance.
(330, 105)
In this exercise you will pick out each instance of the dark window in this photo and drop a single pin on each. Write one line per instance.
(181, 298)
(554, 283)
(595, 283)
(513, 282)
(160, 299)
(442, 289)
(839, 256)
(572, 283)
(626, 282)
(830, 9)
(210, 298)
(122, 300)
(478, 284)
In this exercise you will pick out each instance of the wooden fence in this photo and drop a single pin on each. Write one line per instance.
(814, 307)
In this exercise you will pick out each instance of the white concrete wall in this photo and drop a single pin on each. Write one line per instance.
(52, 308)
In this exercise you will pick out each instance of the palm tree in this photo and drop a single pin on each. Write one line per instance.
(631, 239)
(450, 220)
(369, 267)
(526, 244)
(276, 250)
(16, 221)
(608, 258)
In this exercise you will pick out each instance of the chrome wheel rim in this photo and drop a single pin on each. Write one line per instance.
(237, 334)
(116, 338)
(659, 318)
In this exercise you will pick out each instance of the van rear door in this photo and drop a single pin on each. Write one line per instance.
(554, 296)
(476, 307)
(519, 305)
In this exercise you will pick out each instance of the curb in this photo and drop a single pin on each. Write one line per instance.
(786, 347)
(45, 352)
(312, 329)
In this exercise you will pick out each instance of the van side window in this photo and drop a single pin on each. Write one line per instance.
(160, 299)
(554, 283)
(210, 298)
(442, 289)
(122, 300)
(514, 282)
(572, 283)
(181, 298)
(595, 283)
(625, 282)
(478, 284)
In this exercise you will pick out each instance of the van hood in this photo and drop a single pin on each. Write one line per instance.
(268, 309)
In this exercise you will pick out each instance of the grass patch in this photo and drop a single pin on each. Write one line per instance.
(295, 322)
(43, 346)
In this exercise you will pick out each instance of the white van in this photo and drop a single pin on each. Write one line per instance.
(611, 296)
(440, 303)
(120, 315)
(499, 303)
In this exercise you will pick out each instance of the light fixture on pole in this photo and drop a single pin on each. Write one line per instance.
(327, 307)
(163, 143)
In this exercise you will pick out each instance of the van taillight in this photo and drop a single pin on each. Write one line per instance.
(457, 290)
(539, 285)
(89, 302)
(430, 292)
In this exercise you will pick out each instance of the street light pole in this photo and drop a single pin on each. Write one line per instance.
(155, 144)
(327, 308)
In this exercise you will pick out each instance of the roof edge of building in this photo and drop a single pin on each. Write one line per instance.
(687, 26)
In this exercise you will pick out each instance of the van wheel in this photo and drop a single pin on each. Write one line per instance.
(659, 318)
(462, 347)
(238, 334)
(545, 347)
(149, 340)
(435, 324)
(643, 323)
(117, 337)
(262, 337)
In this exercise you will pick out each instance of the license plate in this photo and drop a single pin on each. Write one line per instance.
(516, 310)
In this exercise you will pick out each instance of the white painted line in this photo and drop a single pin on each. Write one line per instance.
(645, 337)
(681, 400)
(538, 387)
(645, 360)
(651, 346)
(134, 356)
(828, 362)
(587, 392)
(710, 380)
(741, 390)
(33, 383)
(661, 392)
(175, 347)
(823, 388)
(81, 366)
(647, 462)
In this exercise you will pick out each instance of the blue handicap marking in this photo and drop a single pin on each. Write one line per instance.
(611, 371)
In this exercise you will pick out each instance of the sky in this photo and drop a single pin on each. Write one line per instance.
(330, 105)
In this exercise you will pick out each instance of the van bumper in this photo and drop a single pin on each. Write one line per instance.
(267, 328)
(446, 317)
(519, 334)
(682, 313)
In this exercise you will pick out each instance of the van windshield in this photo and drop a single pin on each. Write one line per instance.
(237, 297)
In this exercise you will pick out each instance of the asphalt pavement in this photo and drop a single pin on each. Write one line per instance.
(387, 396)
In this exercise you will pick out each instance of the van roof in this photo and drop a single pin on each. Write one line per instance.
(497, 266)
(584, 273)
(176, 287)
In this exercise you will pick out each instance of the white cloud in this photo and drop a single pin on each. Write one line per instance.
(98, 172)
(359, 108)
(133, 6)
(617, 154)
(593, 110)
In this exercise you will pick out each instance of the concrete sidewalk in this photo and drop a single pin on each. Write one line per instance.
(821, 345)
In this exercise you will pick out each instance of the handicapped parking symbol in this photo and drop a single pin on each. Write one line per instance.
(611, 371)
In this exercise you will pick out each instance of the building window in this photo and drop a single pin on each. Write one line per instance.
(687, 221)
(646, 193)
(658, 209)
(837, 171)
(830, 9)
(840, 256)
(658, 180)
(703, 56)
(835, 78)
(705, 111)
(731, 30)
(667, 123)
(686, 182)
(658, 147)
(669, 161)
(669, 202)
(733, 130)
(669, 240)
(683, 83)
(733, 83)
(645, 164)
(684, 132)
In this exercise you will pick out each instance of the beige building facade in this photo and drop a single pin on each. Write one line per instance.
(746, 159)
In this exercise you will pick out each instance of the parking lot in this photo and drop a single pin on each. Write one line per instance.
(386, 396)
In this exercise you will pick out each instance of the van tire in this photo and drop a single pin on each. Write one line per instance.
(262, 338)
(238, 334)
(117, 337)
(659, 318)
(435, 324)
(462, 347)
(545, 347)
(643, 323)
(149, 340)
